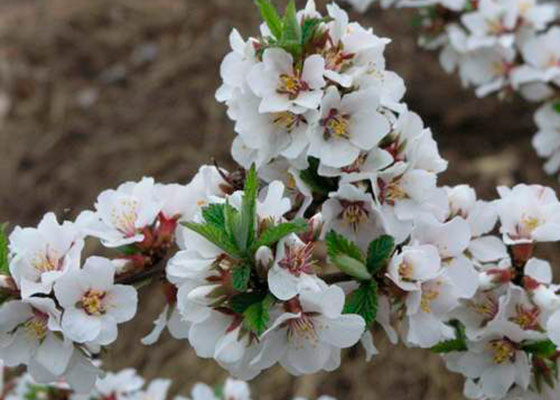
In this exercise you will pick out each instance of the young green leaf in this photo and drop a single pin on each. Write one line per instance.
(338, 245)
(241, 276)
(310, 28)
(217, 236)
(317, 183)
(4, 260)
(363, 301)
(240, 302)
(245, 225)
(457, 344)
(379, 251)
(214, 214)
(256, 316)
(291, 29)
(556, 107)
(544, 348)
(274, 233)
(351, 266)
(270, 17)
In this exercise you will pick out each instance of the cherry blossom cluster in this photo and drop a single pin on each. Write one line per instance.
(333, 228)
(122, 385)
(508, 47)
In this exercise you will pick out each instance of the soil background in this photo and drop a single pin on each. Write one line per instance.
(93, 93)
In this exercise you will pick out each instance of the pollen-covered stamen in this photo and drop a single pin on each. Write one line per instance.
(429, 295)
(298, 259)
(92, 302)
(406, 272)
(125, 215)
(287, 120)
(302, 329)
(503, 350)
(391, 191)
(336, 125)
(46, 262)
(527, 225)
(488, 307)
(37, 326)
(336, 59)
(527, 318)
(291, 85)
(495, 27)
(354, 213)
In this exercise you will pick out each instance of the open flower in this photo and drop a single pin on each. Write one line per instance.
(282, 87)
(292, 270)
(528, 213)
(122, 214)
(42, 255)
(414, 265)
(347, 126)
(32, 336)
(93, 304)
(308, 335)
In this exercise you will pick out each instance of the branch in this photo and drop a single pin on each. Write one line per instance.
(156, 270)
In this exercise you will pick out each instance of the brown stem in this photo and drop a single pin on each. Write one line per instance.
(131, 278)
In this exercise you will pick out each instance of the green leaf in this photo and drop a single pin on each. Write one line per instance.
(241, 276)
(240, 302)
(378, 252)
(215, 214)
(556, 106)
(129, 249)
(457, 344)
(245, 225)
(274, 233)
(317, 183)
(338, 244)
(215, 235)
(351, 266)
(291, 29)
(270, 17)
(310, 26)
(363, 301)
(256, 317)
(544, 348)
(4, 251)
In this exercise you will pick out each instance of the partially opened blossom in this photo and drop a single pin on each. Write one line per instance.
(42, 255)
(414, 265)
(93, 304)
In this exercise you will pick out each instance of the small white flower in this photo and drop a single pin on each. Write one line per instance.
(414, 265)
(350, 211)
(308, 337)
(347, 126)
(122, 214)
(547, 140)
(292, 269)
(30, 333)
(42, 255)
(120, 384)
(285, 88)
(528, 214)
(93, 304)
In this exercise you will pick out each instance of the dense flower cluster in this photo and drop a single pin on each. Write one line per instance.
(333, 162)
(122, 385)
(499, 46)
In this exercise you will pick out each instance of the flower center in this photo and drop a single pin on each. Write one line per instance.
(526, 318)
(291, 85)
(488, 308)
(302, 329)
(124, 217)
(36, 327)
(503, 350)
(298, 259)
(287, 120)
(46, 262)
(429, 295)
(92, 302)
(495, 26)
(406, 272)
(357, 165)
(336, 125)
(528, 225)
(354, 213)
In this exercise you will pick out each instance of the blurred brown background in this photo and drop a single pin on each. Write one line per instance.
(93, 93)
